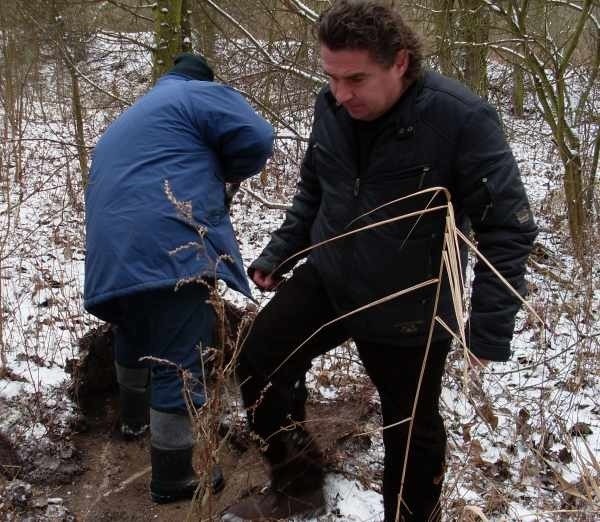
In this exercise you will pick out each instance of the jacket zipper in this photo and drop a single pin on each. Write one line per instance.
(422, 178)
(488, 206)
(419, 169)
(424, 171)
(485, 211)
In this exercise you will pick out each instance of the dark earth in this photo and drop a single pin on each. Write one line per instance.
(89, 473)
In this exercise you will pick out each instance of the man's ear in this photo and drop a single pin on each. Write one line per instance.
(401, 62)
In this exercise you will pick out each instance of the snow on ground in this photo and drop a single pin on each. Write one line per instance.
(529, 433)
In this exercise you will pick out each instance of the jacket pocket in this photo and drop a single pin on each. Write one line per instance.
(418, 176)
(479, 202)
(384, 187)
(330, 166)
(391, 195)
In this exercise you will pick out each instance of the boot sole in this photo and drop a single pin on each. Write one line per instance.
(229, 517)
(168, 499)
(157, 498)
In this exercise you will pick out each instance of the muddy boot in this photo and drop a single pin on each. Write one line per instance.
(296, 487)
(173, 476)
(134, 397)
(275, 505)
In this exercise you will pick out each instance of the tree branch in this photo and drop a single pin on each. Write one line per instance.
(265, 202)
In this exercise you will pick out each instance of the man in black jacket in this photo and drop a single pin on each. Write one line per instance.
(383, 129)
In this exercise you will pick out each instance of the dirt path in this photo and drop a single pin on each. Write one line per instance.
(115, 485)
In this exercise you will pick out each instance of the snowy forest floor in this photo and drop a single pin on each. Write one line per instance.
(524, 445)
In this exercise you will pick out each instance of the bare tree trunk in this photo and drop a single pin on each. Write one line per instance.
(207, 32)
(4, 183)
(590, 192)
(443, 20)
(167, 29)
(186, 27)
(82, 154)
(548, 62)
(518, 91)
(551, 96)
(475, 30)
(573, 186)
(12, 91)
(72, 50)
(518, 77)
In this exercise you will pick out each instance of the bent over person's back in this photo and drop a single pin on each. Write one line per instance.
(193, 135)
(156, 217)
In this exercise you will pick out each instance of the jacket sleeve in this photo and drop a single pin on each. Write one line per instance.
(490, 191)
(242, 138)
(294, 233)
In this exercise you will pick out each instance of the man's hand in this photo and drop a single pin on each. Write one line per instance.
(265, 281)
(477, 363)
(474, 374)
(476, 367)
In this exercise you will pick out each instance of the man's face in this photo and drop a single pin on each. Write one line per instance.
(366, 88)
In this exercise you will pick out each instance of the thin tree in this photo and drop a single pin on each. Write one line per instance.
(168, 35)
(443, 18)
(475, 31)
(546, 55)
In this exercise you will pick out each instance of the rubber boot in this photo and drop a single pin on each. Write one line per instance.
(296, 467)
(171, 453)
(134, 398)
(174, 478)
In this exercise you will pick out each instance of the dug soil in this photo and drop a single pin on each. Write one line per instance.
(115, 483)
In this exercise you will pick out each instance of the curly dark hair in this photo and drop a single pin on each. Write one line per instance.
(369, 25)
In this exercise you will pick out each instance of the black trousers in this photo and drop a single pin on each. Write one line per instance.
(272, 377)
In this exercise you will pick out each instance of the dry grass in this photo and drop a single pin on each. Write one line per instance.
(472, 382)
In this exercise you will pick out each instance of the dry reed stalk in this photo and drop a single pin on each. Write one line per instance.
(450, 266)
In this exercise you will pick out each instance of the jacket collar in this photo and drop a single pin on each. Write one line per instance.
(174, 76)
(402, 113)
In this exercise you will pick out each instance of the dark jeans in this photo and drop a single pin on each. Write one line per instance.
(167, 325)
(299, 308)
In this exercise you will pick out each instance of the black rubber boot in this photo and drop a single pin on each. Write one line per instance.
(276, 505)
(297, 477)
(134, 417)
(134, 400)
(174, 478)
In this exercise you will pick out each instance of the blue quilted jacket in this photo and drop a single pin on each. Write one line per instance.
(190, 136)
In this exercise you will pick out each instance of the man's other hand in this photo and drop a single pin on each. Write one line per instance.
(477, 362)
(265, 281)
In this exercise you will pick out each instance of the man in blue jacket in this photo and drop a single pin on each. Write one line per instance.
(384, 129)
(156, 215)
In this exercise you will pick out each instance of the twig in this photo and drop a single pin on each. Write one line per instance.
(263, 201)
(128, 481)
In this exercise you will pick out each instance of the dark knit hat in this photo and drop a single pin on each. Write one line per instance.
(193, 66)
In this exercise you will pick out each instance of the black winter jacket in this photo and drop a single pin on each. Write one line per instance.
(438, 134)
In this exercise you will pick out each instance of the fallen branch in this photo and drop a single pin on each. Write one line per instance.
(263, 201)
(545, 271)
